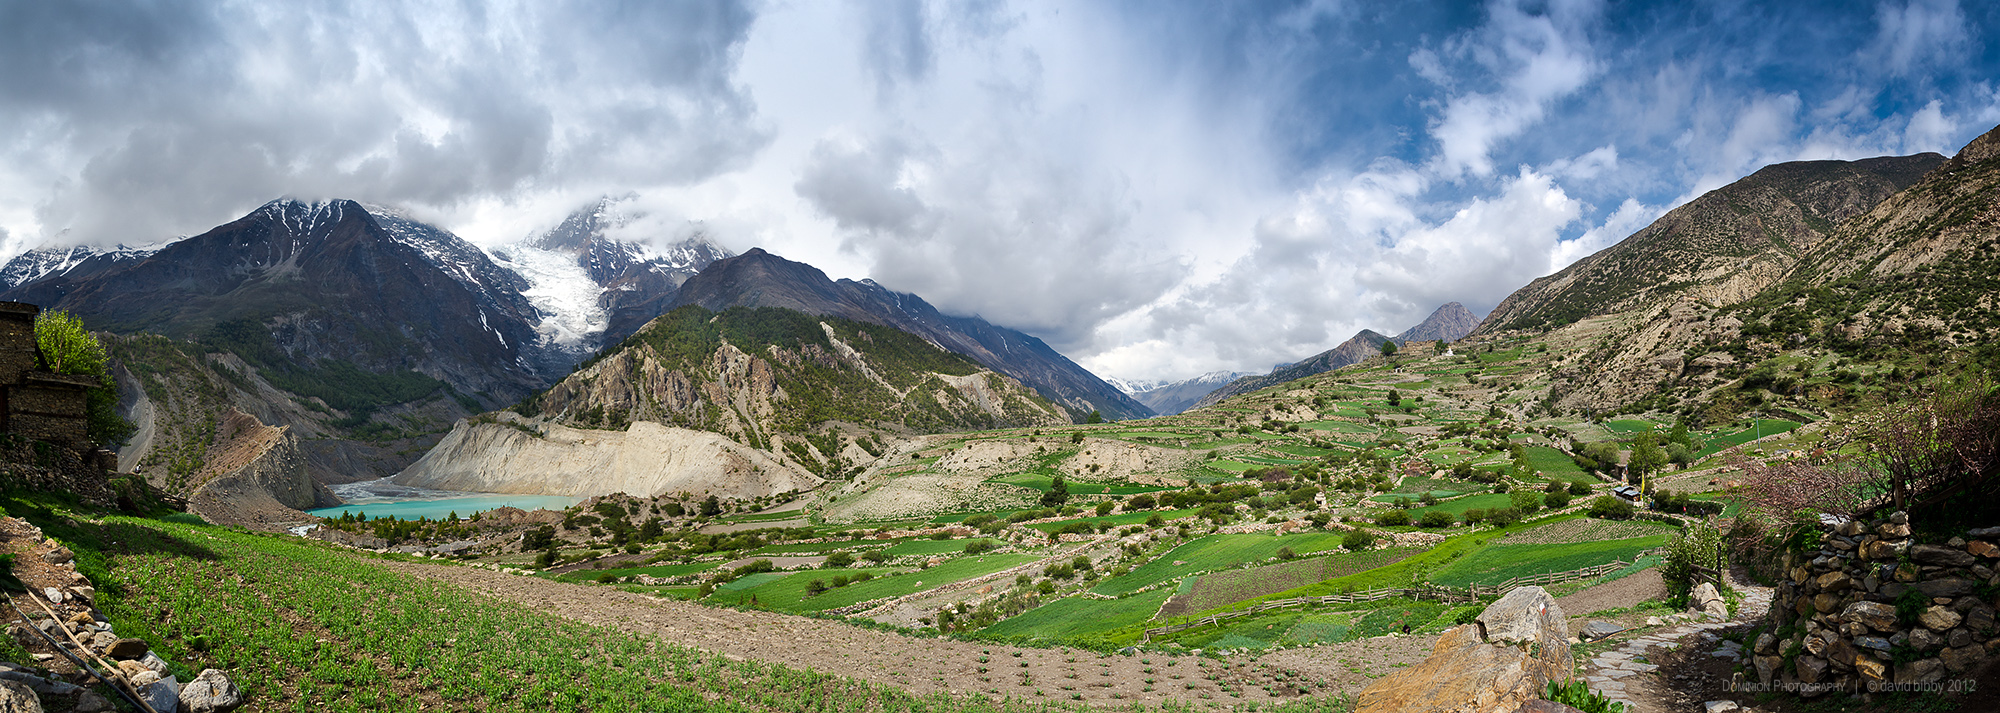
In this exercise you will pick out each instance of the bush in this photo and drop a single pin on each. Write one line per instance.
(1610, 507)
(1579, 489)
(1437, 518)
(815, 588)
(1557, 501)
(1358, 539)
(1474, 515)
(1141, 501)
(875, 556)
(977, 547)
(840, 559)
(1700, 545)
(981, 520)
(1393, 518)
(1526, 501)
(1502, 517)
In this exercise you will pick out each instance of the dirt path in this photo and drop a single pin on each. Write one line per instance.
(927, 665)
(1631, 673)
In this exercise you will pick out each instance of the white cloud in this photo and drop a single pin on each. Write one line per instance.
(1540, 58)
(1916, 35)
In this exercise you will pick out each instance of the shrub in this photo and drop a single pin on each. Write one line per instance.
(1526, 501)
(981, 520)
(1474, 515)
(976, 547)
(1700, 545)
(1104, 508)
(838, 559)
(1358, 539)
(1437, 518)
(1155, 521)
(1393, 518)
(815, 588)
(1502, 517)
(1611, 508)
(1557, 500)
(1285, 553)
(1141, 501)
(1579, 489)
(874, 556)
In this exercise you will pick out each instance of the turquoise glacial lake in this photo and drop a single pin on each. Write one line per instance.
(381, 498)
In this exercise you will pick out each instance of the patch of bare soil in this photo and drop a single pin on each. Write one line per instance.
(930, 665)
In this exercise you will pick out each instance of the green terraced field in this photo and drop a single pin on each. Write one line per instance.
(1123, 518)
(1457, 507)
(1073, 618)
(789, 594)
(1764, 427)
(935, 547)
(664, 570)
(1211, 552)
(1042, 482)
(1496, 563)
(1556, 465)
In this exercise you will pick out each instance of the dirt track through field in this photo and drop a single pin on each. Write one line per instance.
(927, 665)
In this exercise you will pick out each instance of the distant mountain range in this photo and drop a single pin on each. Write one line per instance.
(1449, 323)
(1167, 398)
(760, 279)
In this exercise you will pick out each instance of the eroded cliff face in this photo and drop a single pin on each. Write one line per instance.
(512, 454)
(256, 476)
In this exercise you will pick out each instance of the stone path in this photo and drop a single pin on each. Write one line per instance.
(1624, 675)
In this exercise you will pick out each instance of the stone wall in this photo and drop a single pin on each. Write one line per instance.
(1872, 607)
(35, 402)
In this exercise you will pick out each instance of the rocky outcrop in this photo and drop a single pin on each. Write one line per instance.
(256, 476)
(1495, 665)
(1872, 606)
(512, 454)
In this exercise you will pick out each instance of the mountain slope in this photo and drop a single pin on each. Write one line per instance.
(1449, 322)
(1721, 248)
(594, 289)
(1893, 285)
(746, 402)
(760, 279)
(356, 309)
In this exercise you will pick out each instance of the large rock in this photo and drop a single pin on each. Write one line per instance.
(1479, 668)
(1945, 588)
(16, 697)
(210, 692)
(163, 695)
(1939, 619)
(1940, 556)
(1963, 659)
(1878, 616)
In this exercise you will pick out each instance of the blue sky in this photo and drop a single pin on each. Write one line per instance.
(1158, 189)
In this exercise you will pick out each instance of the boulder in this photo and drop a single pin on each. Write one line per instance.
(1703, 594)
(1960, 660)
(1479, 668)
(1811, 669)
(127, 648)
(92, 702)
(1958, 638)
(16, 697)
(1599, 629)
(163, 695)
(1982, 548)
(1924, 640)
(1871, 670)
(1524, 616)
(1878, 616)
(1834, 582)
(1920, 671)
(1940, 556)
(1939, 619)
(1945, 588)
(210, 692)
(1878, 550)
(1767, 667)
(1894, 531)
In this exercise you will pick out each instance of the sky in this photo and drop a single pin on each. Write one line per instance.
(1157, 189)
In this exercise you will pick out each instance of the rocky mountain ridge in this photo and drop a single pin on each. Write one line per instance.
(760, 279)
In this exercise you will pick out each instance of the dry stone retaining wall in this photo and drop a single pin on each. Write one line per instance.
(1872, 607)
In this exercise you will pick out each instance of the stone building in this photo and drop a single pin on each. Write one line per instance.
(35, 402)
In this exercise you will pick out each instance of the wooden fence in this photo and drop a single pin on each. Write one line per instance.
(1427, 591)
